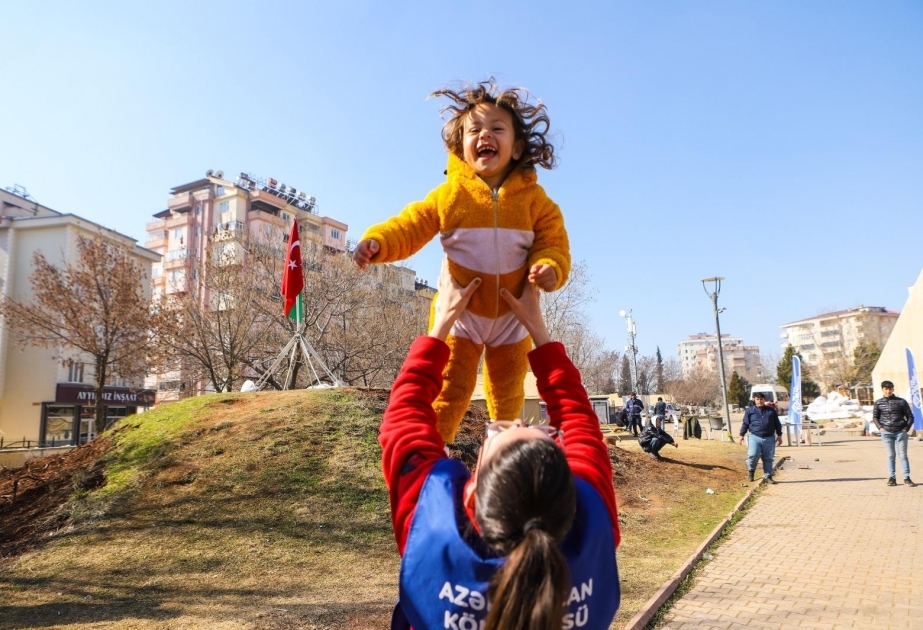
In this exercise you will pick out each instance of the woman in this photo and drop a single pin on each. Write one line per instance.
(529, 541)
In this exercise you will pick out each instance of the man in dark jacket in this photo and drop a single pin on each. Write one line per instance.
(653, 438)
(763, 423)
(894, 419)
(634, 407)
(660, 412)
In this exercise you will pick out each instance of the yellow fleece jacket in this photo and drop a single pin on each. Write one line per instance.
(495, 235)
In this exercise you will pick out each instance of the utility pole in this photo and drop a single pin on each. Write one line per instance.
(632, 331)
(724, 388)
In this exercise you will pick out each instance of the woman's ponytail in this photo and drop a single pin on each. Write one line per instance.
(525, 505)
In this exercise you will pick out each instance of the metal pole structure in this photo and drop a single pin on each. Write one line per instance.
(724, 388)
(633, 366)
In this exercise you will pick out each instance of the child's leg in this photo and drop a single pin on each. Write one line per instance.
(459, 378)
(505, 370)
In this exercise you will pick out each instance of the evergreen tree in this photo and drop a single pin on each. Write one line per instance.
(865, 356)
(738, 390)
(659, 373)
(809, 389)
(625, 383)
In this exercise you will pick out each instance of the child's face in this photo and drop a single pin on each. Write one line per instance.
(490, 143)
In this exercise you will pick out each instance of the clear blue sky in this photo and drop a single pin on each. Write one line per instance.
(778, 144)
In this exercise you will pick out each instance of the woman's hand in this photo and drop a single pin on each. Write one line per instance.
(529, 312)
(451, 302)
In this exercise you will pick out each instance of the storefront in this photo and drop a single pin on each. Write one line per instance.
(71, 418)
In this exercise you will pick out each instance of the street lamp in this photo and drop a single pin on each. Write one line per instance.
(632, 331)
(714, 300)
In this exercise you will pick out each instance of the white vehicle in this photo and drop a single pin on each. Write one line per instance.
(775, 394)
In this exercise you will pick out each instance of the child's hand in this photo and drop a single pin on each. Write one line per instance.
(451, 302)
(544, 276)
(365, 251)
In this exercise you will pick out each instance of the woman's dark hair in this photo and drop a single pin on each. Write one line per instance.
(525, 503)
(530, 121)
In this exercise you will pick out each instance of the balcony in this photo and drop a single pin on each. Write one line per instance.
(230, 231)
(181, 202)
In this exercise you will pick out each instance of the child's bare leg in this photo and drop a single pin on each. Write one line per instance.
(505, 370)
(459, 378)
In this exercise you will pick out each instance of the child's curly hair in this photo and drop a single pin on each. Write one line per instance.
(530, 121)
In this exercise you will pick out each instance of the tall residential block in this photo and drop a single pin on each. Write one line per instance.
(701, 351)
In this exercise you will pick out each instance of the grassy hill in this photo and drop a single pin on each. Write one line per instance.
(268, 510)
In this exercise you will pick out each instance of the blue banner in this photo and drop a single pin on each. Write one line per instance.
(794, 409)
(915, 403)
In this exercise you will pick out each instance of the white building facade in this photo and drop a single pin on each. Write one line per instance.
(827, 341)
(701, 352)
(44, 400)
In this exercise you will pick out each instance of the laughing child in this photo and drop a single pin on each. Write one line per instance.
(497, 227)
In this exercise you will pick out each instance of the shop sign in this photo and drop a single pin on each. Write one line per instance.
(83, 395)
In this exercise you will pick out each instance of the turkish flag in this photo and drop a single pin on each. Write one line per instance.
(292, 276)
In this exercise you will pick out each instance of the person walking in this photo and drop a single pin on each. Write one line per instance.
(634, 407)
(660, 412)
(762, 422)
(894, 419)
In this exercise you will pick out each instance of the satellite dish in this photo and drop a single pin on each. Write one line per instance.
(622, 313)
(219, 174)
(209, 173)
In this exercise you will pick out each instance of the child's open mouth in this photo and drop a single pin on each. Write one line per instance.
(486, 151)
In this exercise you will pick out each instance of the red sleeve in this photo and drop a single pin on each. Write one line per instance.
(409, 440)
(570, 410)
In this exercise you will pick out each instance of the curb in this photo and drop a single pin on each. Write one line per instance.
(650, 608)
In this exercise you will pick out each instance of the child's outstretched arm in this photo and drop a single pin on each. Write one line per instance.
(401, 236)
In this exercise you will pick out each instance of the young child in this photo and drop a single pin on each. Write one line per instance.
(496, 225)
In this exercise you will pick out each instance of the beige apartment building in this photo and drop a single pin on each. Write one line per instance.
(44, 400)
(218, 215)
(827, 342)
(701, 352)
(215, 210)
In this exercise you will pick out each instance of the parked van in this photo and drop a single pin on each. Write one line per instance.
(775, 394)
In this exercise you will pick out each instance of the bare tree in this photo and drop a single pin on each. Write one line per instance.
(700, 388)
(215, 324)
(96, 307)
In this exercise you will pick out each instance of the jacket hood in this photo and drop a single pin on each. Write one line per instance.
(518, 178)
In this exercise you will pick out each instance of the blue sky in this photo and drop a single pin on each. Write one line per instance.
(778, 144)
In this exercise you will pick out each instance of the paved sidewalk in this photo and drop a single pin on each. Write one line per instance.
(829, 546)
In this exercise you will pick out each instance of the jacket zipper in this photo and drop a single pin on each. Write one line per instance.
(495, 193)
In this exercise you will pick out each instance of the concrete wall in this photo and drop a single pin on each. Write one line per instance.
(907, 333)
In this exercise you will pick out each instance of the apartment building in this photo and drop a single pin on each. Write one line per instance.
(214, 210)
(44, 400)
(827, 341)
(701, 351)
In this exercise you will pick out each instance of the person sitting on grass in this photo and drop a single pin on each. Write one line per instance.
(653, 438)
(526, 542)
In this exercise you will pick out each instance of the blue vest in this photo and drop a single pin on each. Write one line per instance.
(444, 577)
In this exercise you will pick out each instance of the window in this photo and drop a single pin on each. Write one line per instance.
(156, 271)
(335, 234)
(198, 231)
(286, 216)
(178, 233)
(219, 190)
(198, 209)
(223, 206)
(75, 372)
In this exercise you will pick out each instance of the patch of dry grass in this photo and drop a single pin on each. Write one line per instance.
(268, 510)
